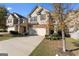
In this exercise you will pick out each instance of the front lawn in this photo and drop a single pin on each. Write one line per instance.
(5, 37)
(72, 43)
(71, 40)
(52, 47)
(46, 48)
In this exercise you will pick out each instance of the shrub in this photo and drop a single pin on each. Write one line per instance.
(55, 36)
(67, 35)
(60, 32)
(47, 36)
(2, 30)
(24, 34)
(15, 33)
(51, 31)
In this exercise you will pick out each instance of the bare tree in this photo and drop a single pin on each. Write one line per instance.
(60, 10)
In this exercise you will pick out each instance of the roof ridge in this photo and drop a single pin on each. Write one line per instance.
(20, 16)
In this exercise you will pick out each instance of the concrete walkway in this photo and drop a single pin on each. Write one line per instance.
(20, 46)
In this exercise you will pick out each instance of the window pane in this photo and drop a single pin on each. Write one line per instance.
(34, 19)
(9, 21)
(43, 17)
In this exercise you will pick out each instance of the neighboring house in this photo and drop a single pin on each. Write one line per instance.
(72, 22)
(39, 21)
(16, 22)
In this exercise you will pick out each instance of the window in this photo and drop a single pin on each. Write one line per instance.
(21, 20)
(34, 19)
(15, 21)
(10, 21)
(24, 20)
(42, 17)
(38, 13)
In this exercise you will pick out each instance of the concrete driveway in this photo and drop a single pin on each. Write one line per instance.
(20, 46)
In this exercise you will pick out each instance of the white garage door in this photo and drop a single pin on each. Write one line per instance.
(37, 31)
(11, 29)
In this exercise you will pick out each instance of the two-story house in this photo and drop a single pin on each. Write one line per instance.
(38, 21)
(72, 22)
(16, 22)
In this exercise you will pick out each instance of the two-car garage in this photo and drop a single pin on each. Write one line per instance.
(37, 31)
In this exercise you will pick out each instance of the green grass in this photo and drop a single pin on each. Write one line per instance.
(72, 40)
(5, 37)
(71, 43)
(43, 49)
(47, 48)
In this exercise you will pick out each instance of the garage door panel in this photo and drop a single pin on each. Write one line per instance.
(41, 31)
(11, 29)
(38, 31)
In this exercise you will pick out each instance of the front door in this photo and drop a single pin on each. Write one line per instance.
(24, 29)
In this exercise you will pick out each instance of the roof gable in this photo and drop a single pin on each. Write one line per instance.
(11, 16)
(37, 10)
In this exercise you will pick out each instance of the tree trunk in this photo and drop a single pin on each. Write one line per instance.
(63, 41)
(56, 27)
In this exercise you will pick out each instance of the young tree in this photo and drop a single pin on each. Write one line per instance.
(60, 9)
(3, 14)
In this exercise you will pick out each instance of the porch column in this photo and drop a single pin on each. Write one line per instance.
(47, 31)
(48, 24)
(18, 25)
